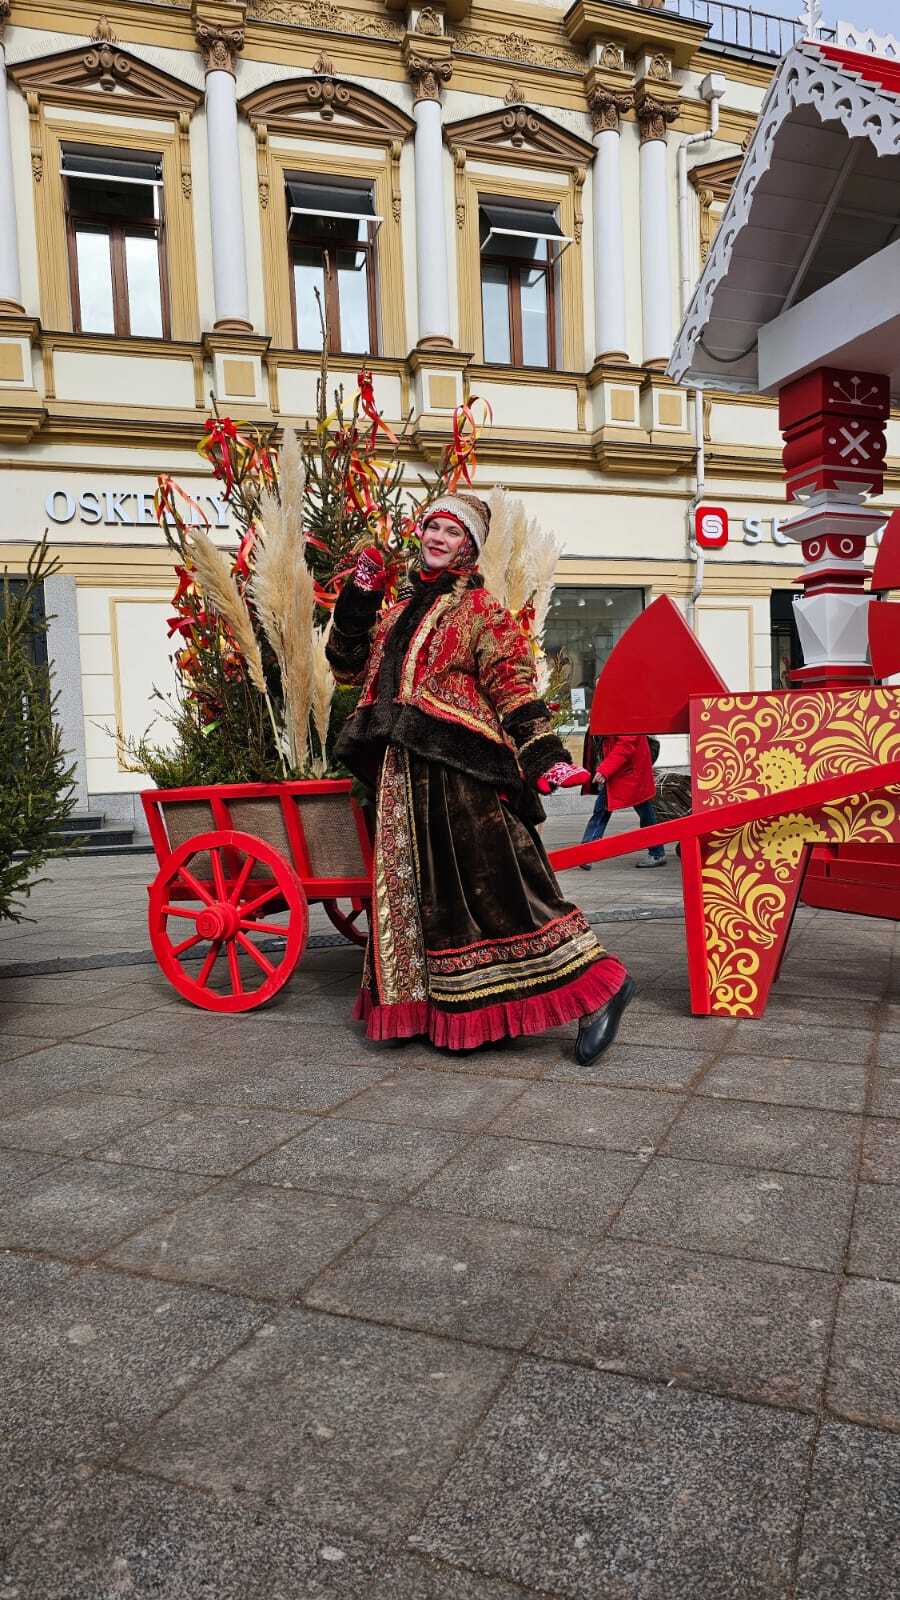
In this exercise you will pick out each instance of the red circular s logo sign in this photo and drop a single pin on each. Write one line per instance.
(711, 527)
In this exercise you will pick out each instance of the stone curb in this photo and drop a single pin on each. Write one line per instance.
(317, 941)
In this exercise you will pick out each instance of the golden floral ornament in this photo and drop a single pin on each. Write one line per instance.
(779, 768)
(748, 745)
(787, 838)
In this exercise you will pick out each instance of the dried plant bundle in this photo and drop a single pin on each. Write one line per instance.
(495, 556)
(322, 695)
(213, 571)
(518, 581)
(297, 672)
(292, 483)
(544, 551)
(284, 596)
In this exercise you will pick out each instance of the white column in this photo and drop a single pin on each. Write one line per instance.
(609, 246)
(656, 275)
(428, 73)
(10, 280)
(226, 203)
(431, 235)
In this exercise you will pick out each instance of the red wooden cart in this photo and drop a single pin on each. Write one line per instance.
(239, 865)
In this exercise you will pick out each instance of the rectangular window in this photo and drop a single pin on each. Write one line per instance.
(332, 227)
(114, 220)
(584, 623)
(520, 248)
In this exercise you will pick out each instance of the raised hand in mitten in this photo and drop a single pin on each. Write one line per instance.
(370, 573)
(562, 775)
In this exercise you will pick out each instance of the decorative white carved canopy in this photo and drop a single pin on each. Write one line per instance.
(817, 196)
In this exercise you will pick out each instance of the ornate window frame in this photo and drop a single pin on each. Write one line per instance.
(713, 181)
(518, 152)
(130, 105)
(330, 127)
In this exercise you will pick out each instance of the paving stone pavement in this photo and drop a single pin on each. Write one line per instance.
(290, 1316)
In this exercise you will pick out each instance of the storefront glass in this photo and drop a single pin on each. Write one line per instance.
(586, 623)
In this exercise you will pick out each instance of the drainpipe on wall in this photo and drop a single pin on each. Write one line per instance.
(711, 90)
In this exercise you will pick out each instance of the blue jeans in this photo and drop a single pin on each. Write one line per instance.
(600, 816)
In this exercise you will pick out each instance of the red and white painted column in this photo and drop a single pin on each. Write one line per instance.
(834, 426)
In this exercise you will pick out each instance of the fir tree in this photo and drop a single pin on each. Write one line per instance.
(36, 784)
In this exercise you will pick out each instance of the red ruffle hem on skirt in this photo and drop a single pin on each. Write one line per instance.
(466, 1030)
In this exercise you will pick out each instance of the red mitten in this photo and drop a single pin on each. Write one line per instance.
(562, 775)
(370, 573)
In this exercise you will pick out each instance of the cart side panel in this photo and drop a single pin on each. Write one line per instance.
(263, 819)
(184, 819)
(332, 837)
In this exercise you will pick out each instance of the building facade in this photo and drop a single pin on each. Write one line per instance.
(506, 203)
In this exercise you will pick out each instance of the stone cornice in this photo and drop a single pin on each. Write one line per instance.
(635, 28)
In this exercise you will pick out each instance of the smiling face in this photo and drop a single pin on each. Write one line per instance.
(442, 541)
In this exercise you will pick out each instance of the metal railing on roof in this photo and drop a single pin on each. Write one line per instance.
(745, 27)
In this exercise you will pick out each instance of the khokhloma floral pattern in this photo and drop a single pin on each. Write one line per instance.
(745, 746)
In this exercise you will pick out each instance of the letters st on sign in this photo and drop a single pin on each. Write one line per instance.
(123, 508)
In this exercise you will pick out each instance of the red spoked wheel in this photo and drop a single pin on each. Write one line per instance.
(214, 907)
(346, 921)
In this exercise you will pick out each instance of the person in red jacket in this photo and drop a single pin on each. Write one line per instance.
(623, 777)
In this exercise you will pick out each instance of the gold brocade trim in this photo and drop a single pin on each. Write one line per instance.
(535, 738)
(398, 946)
(518, 972)
(451, 713)
(430, 620)
(501, 988)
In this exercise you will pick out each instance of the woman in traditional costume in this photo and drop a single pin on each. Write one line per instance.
(471, 940)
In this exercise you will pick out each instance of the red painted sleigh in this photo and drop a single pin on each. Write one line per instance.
(239, 866)
(795, 795)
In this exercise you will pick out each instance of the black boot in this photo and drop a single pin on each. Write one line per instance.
(597, 1032)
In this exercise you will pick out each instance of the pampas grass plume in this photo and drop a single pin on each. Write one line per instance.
(284, 595)
(213, 571)
(322, 694)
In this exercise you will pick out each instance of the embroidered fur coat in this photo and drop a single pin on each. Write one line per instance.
(445, 673)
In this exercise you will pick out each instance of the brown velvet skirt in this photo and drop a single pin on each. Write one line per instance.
(471, 939)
